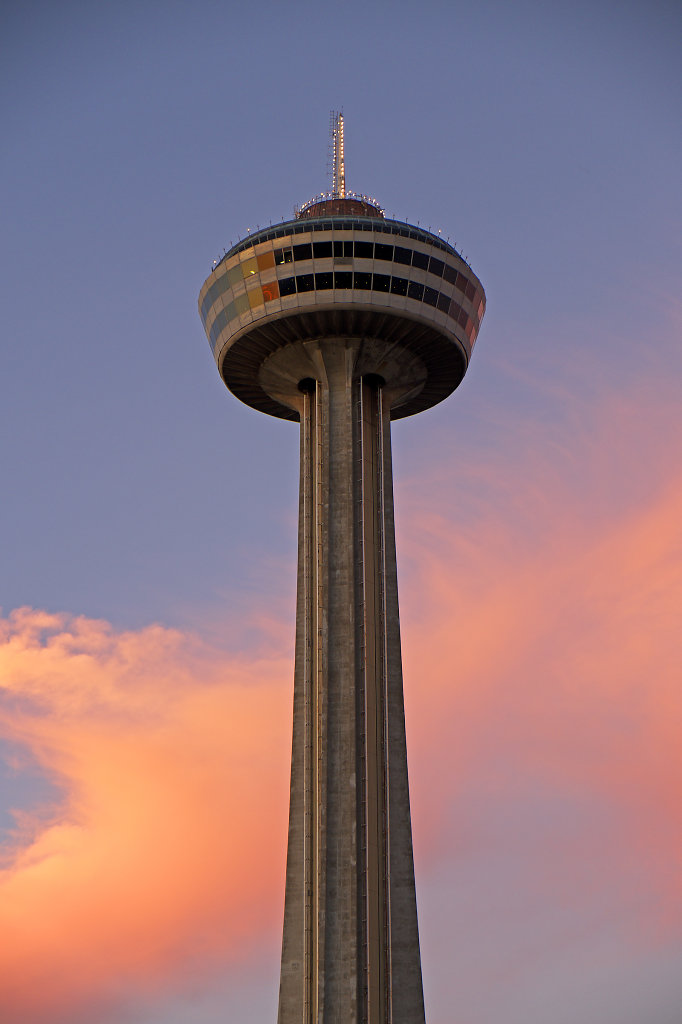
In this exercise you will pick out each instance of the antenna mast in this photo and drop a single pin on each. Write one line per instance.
(338, 161)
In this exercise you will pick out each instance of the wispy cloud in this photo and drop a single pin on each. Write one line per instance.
(541, 604)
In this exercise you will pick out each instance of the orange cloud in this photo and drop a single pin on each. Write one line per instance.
(542, 663)
(168, 845)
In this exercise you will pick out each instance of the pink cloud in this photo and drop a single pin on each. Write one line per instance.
(168, 844)
(542, 665)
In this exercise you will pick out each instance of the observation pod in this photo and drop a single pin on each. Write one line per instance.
(343, 320)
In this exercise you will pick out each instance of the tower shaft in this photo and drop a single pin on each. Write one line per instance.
(350, 950)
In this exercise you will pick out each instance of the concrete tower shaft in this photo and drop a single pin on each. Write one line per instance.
(350, 946)
(343, 320)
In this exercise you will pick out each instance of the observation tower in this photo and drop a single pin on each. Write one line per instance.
(343, 320)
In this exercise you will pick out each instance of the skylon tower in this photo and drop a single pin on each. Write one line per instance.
(343, 320)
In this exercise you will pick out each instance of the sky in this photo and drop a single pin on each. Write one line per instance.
(148, 519)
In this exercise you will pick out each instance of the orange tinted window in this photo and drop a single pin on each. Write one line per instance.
(270, 291)
(265, 260)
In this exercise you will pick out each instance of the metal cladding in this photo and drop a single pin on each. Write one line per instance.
(343, 320)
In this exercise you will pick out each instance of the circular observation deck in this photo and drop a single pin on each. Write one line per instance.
(404, 293)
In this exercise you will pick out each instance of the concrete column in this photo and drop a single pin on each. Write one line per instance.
(350, 950)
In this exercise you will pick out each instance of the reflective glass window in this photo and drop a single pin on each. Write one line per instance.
(382, 251)
(305, 282)
(462, 317)
(470, 291)
(361, 280)
(324, 281)
(241, 303)
(343, 279)
(430, 296)
(303, 251)
(255, 297)
(403, 255)
(364, 250)
(415, 291)
(454, 309)
(381, 283)
(450, 274)
(287, 286)
(234, 275)
(443, 302)
(266, 260)
(270, 291)
(348, 248)
(420, 259)
(230, 311)
(399, 285)
(283, 256)
(338, 248)
(249, 266)
(217, 326)
(436, 267)
(322, 249)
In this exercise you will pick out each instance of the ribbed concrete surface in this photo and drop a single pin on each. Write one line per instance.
(350, 948)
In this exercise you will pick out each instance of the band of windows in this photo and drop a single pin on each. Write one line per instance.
(339, 250)
(391, 227)
(341, 280)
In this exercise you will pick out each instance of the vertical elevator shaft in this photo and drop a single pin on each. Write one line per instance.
(350, 949)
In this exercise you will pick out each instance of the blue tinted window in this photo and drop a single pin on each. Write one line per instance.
(364, 250)
(450, 274)
(303, 251)
(305, 282)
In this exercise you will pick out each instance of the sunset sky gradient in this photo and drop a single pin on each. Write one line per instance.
(148, 520)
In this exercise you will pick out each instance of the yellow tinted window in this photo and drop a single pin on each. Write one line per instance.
(234, 275)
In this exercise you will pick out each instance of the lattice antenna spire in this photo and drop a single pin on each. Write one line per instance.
(338, 160)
